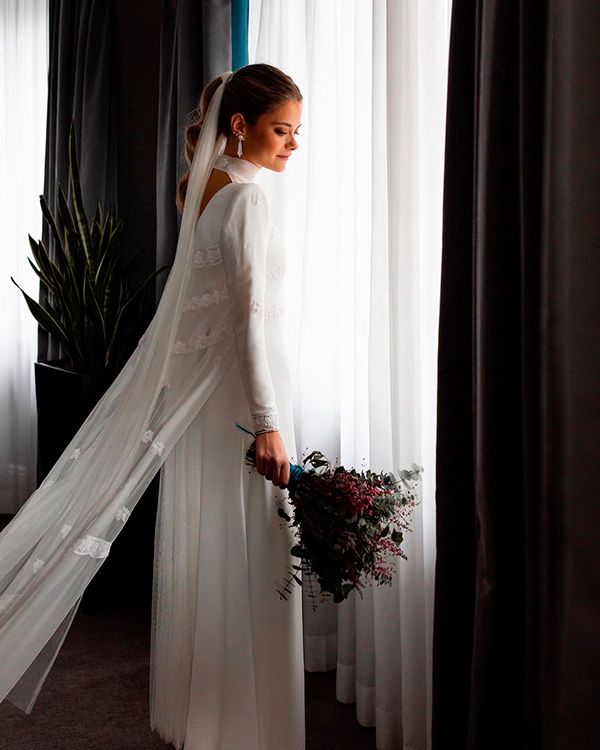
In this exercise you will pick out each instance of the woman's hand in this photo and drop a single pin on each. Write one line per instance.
(272, 460)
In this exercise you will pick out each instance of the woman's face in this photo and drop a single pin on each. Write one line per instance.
(270, 142)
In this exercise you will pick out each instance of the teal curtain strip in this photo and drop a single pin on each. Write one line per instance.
(239, 33)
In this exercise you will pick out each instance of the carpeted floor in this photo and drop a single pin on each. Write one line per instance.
(96, 696)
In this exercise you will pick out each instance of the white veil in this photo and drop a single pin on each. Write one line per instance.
(55, 544)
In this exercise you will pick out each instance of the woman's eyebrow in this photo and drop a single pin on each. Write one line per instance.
(283, 123)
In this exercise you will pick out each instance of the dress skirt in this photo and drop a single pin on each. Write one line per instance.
(227, 660)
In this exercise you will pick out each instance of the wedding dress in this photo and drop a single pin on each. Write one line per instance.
(226, 661)
(227, 668)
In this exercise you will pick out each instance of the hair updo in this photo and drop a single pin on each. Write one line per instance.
(252, 91)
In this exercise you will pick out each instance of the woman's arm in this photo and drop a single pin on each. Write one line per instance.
(244, 240)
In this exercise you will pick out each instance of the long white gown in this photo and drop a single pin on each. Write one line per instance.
(227, 659)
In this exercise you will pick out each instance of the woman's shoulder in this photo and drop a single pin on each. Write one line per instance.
(243, 197)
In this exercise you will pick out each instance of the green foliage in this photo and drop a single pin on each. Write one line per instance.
(89, 306)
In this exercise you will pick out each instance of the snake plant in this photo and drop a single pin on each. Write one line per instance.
(88, 304)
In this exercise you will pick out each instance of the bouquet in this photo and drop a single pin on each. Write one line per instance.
(349, 525)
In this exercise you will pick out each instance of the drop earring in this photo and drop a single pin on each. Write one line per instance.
(240, 138)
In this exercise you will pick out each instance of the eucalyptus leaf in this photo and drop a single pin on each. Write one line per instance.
(397, 537)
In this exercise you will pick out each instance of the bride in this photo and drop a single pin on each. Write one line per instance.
(226, 652)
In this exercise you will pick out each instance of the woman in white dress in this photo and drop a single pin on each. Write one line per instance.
(227, 652)
(226, 659)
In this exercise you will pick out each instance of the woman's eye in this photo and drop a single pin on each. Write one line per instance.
(280, 132)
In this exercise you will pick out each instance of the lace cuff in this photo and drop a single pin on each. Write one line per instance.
(266, 422)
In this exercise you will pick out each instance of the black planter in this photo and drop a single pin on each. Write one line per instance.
(64, 400)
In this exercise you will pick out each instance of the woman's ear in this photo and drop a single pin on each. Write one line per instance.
(238, 124)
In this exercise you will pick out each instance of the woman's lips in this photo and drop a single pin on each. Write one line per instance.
(283, 157)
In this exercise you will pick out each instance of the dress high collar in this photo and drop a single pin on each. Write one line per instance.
(239, 170)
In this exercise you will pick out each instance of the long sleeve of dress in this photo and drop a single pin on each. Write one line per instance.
(244, 241)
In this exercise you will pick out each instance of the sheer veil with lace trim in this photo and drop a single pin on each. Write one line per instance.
(55, 544)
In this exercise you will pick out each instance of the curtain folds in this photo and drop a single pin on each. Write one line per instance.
(23, 86)
(195, 47)
(360, 209)
(81, 84)
(517, 381)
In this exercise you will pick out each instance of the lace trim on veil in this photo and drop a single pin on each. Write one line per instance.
(92, 546)
(207, 256)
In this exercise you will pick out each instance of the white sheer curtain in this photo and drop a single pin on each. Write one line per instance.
(23, 97)
(361, 213)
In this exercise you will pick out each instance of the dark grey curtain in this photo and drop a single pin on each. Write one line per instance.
(195, 47)
(516, 606)
(81, 85)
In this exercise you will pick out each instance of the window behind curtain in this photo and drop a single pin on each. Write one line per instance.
(23, 97)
